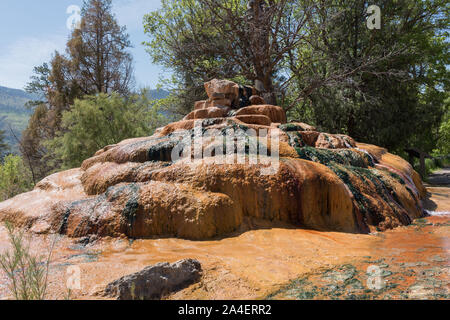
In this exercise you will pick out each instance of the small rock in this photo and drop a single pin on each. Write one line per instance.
(84, 241)
(255, 100)
(155, 282)
(199, 104)
(40, 227)
(96, 291)
(224, 88)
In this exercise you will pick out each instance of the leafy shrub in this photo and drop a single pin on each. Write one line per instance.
(4, 147)
(430, 166)
(27, 273)
(15, 177)
(436, 163)
(443, 143)
(100, 120)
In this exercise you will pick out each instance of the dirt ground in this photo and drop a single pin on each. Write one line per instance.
(272, 262)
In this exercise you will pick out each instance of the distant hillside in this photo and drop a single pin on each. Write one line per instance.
(13, 113)
(157, 94)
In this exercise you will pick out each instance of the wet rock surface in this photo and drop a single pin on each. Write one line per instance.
(374, 280)
(155, 282)
(411, 262)
(263, 257)
(348, 283)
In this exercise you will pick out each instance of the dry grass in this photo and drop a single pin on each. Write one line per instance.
(27, 273)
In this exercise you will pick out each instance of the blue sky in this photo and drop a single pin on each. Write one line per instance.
(30, 31)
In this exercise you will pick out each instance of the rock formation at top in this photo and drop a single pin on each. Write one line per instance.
(138, 189)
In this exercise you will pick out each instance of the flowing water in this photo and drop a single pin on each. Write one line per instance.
(273, 261)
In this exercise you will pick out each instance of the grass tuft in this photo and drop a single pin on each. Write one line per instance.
(27, 273)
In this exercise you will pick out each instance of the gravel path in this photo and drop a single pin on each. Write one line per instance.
(440, 177)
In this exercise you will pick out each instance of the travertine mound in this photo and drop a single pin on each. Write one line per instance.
(323, 181)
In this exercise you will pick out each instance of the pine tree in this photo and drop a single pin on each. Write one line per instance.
(96, 61)
(4, 147)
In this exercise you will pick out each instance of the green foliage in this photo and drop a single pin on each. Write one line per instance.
(175, 24)
(397, 101)
(4, 147)
(434, 164)
(17, 121)
(204, 39)
(443, 143)
(15, 177)
(385, 87)
(27, 273)
(430, 166)
(96, 60)
(101, 120)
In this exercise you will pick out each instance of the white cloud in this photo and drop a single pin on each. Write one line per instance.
(131, 12)
(19, 58)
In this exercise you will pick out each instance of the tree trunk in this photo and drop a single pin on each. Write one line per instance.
(269, 94)
(422, 165)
